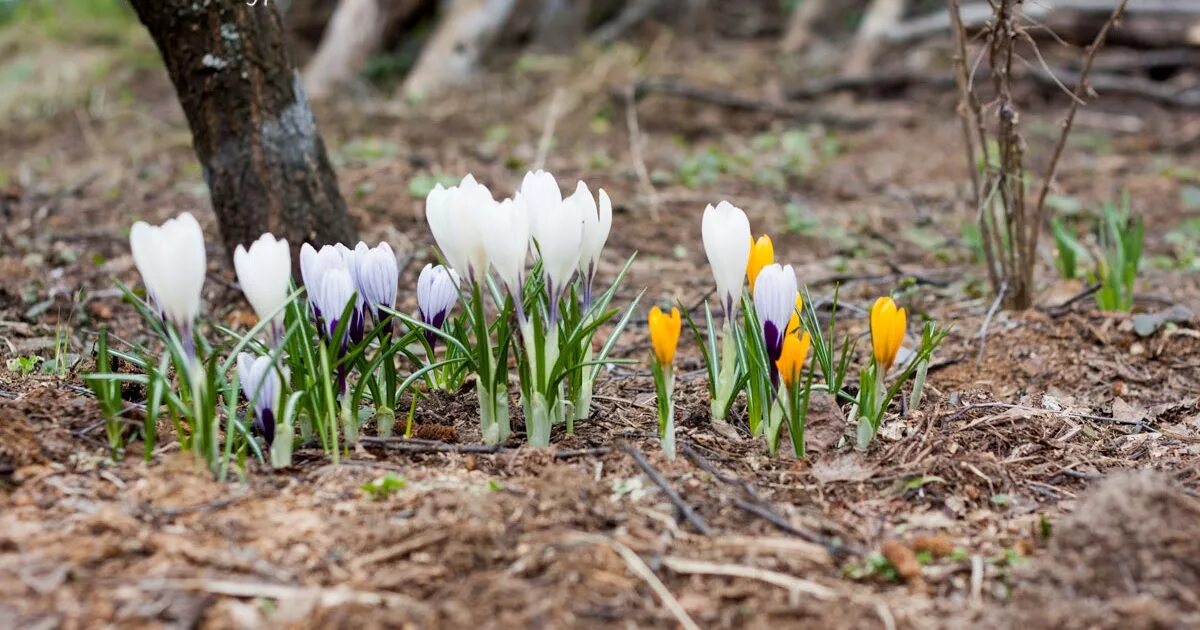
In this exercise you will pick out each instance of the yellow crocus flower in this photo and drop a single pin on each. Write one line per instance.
(664, 334)
(888, 324)
(791, 360)
(794, 322)
(762, 253)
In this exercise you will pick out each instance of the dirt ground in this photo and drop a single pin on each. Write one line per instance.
(1003, 501)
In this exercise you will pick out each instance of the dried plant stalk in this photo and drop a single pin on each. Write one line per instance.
(1009, 224)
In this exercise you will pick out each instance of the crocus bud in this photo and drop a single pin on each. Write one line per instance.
(597, 223)
(172, 262)
(541, 194)
(454, 215)
(377, 275)
(664, 334)
(437, 293)
(792, 356)
(762, 253)
(726, 234)
(794, 323)
(330, 286)
(507, 227)
(261, 385)
(265, 272)
(888, 324)
(775, 302)
(559, 234)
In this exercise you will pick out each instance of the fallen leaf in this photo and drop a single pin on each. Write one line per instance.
(939, 546)
(826, 423)
(902, 558)
(850, 467)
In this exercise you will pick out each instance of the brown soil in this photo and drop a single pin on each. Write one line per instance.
(1129, 557)
(1007, 444)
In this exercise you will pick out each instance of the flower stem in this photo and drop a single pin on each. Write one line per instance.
(727, 377)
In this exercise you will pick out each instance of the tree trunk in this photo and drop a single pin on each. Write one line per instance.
(255, 136)
(452, 54)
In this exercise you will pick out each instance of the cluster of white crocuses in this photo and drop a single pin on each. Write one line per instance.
(553, 301)
(351, 297)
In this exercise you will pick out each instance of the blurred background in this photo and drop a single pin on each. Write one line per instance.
(832, 123)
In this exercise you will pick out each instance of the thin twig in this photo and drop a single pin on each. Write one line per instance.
(976, 598)
(987, 321)
(553, 113)
(412, 445)
(684, 508)
(771, 517)
(668, 87)
(708, 467)
(754, 504)
(583, 452)
(640, 569)
(207, 506)
(794, 585)
(635, 152)
(1055, 311)
(408, 446)
(326, 596)
(1081, 87)
(1057, 412)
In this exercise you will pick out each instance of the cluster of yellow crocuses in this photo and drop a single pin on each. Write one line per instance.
(783, 390)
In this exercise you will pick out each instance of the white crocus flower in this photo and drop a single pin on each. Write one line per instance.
(437, 293)
(597, 222)
(559, 235)
(774, 301)
(261, 385)
(541, 194)
(265, 272)
(455, 215)
(507, 227)
(172, 261)
(726, 234)
(377, 275)
(330, 286)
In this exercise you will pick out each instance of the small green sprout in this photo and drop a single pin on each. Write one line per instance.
(384, 486)
(23, 365)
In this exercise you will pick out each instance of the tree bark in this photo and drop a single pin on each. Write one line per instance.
(256, 138)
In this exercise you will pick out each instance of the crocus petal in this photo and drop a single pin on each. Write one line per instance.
(541, 194)
(265, 272)
(507, 245)
(437, 293)
(441, 223)
(791, 358)
(559, 234)
(315, 266)
(775, 302)
(762, 253)
(172, 261)
(376, 274)
(474, 200)
(333, 295)
(664, 334)
(726, 235)
(261, 385)
(597, 223)
(888, 325)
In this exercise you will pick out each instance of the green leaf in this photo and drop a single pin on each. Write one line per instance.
(384, 486)
(421, 185)
(918, 482)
